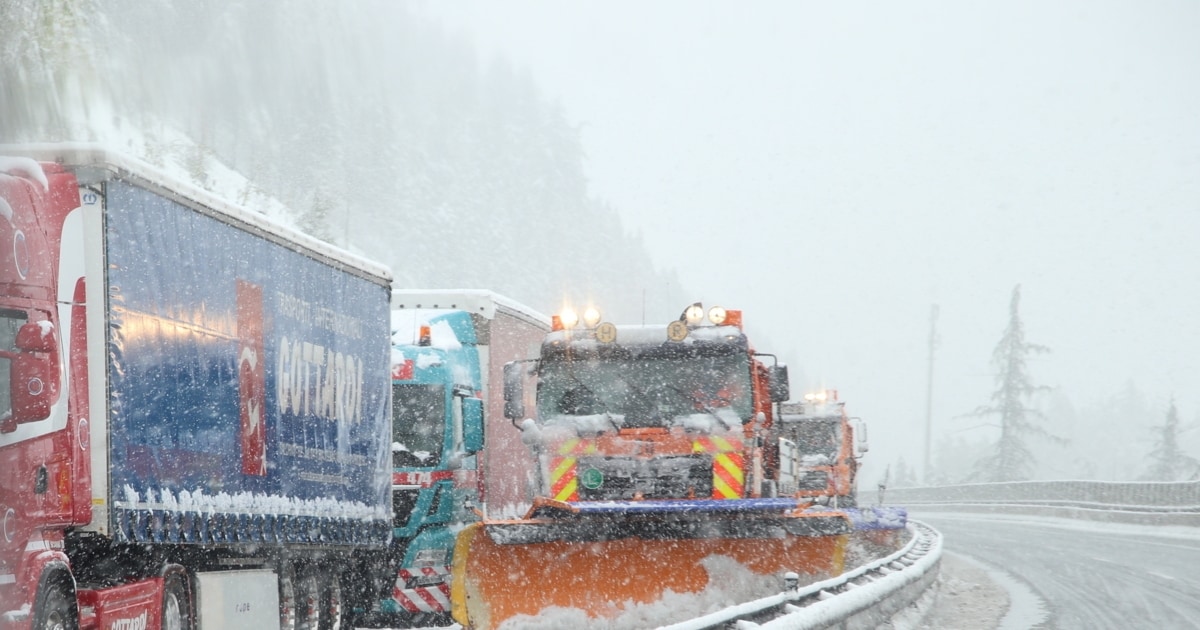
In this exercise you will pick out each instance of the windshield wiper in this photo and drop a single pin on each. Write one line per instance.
(703, 406)
(600, 406)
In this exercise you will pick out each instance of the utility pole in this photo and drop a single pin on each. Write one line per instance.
(933, 315)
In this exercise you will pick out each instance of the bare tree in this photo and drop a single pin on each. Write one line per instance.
(1012, 460)
(1168, 462)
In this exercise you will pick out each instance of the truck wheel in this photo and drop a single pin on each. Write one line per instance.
(55, 607)
(308, 601)
(287, 597)
(331, 603)
(177, 603)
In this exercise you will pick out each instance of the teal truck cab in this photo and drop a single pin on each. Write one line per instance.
(448, 353)
(437, 430)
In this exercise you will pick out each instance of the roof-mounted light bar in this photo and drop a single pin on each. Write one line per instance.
(568, 318)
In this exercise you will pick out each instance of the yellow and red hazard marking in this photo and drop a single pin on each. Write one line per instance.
(564, 483)
(729, 460)
(729, 465)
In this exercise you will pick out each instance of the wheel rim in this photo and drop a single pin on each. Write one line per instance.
(172, 615)
(55, 621)
(308, 604)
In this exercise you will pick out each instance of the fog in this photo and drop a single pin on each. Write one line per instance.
(833, 171)
(836, 171)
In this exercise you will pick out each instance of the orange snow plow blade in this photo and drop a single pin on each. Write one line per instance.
(601, 560)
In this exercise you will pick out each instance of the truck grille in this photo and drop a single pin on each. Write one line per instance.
(615, 478)
(813, 480)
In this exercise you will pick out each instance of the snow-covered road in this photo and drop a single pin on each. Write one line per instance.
(1059, 573)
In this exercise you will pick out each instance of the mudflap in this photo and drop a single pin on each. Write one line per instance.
(603, 557)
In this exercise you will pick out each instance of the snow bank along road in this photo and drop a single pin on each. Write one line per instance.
(1082, 574)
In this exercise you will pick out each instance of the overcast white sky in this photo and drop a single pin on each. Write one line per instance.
(835, 169)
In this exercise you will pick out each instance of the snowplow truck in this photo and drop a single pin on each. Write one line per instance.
(819, 447)
(649, 442)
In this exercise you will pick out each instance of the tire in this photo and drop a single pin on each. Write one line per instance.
(308, 601)
(287, 597)
(332, 611)
(178, 609)
(55, 608)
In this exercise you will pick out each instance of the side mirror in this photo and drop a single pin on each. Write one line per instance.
(36, 337)
(472, 425)
(777, 383)
(514, 391)
(860, 436)
(34, 380)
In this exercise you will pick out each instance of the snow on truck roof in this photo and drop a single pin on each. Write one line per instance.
(94, 162)
(478, 301)
(799, 412)
(652, 334)
(26, 166)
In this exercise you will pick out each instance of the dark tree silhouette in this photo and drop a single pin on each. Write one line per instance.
(1012, 460)
(1168, 462)
(384, 132)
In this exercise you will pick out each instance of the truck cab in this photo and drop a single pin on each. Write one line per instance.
(819, 448)
(638, 412)
(437, 431)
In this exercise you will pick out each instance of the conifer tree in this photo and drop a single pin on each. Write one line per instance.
(1168, 462)
(1011, 460)
(905, 477)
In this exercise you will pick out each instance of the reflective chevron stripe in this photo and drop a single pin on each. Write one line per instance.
(564, 485)
(729, 466)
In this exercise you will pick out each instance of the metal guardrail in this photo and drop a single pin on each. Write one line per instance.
(1177, 494)
(1146, 503)
(864, 597)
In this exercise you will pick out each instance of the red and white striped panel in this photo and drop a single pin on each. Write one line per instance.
(431, 598)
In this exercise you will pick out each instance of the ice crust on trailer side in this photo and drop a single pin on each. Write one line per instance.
(248, 503)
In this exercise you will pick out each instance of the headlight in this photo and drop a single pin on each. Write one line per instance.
(716, 315)
(694, 314)
(569, 318)
(591, 317)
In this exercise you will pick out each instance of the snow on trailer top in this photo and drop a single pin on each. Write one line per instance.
(96, 162)
(478, 301)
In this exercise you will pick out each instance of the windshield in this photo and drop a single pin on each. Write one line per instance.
(418, 415)
(818, 437)
(646, 392)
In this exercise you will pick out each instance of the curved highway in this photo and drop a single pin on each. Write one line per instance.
(1088, 575)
